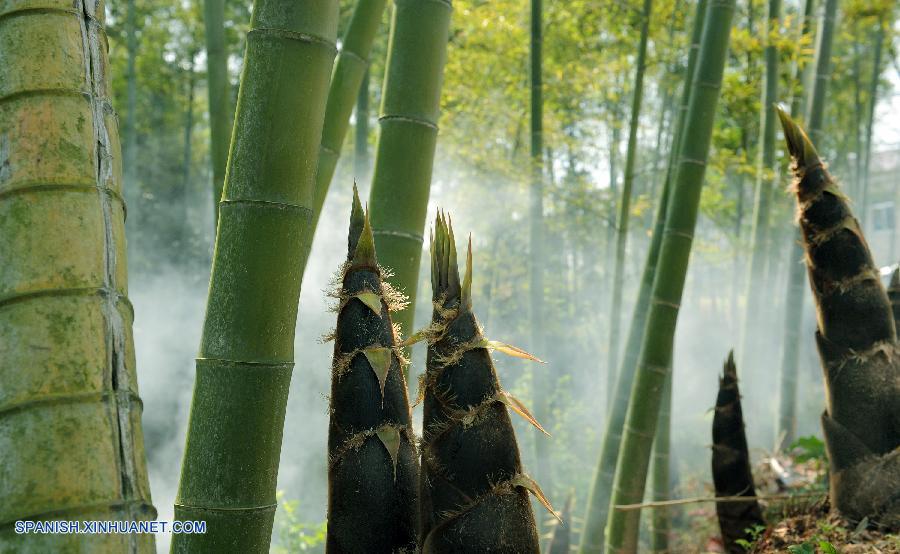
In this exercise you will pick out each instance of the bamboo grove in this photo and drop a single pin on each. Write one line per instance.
(647, 187)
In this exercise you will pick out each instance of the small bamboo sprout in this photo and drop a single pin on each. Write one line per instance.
(857, 343)
(373, 467)
(731, 471)
(474, 491)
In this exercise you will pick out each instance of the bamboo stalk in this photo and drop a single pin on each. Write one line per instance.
(410, 104)
(218, 88)
(346, 81)
(71, 445)
(625, 197)
(246, 353)
(598, 500)
(373, 468)
(660, 523)
(668, 284)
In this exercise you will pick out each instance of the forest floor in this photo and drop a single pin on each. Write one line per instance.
(821, 532)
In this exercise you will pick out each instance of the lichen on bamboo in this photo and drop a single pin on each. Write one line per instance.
(372, 469)
(473, 488)
(857, 342)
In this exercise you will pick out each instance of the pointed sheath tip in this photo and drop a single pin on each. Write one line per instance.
(799, 146)
(730, 370)
(357, 222)
(466, 293)
(364, 254)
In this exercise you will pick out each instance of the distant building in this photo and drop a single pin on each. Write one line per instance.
(884, 194)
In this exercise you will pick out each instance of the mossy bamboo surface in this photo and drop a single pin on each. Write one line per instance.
(601, 487)
(857, 342)
(218, 89)
(622, 222)
(71, 445)
(660, 522)
(668, 284)
(373, 470)
(410, 104)
(753, 328)
(346, 79)
(246, 354)
(793, 316)
(731, 471)
(473, 490)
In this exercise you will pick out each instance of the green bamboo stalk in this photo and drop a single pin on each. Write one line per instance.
(612, 360)
(660, 523)
(218, 89)
(601, 488)
(361, 138)
(410, 105)
(857, 343)
(731, 471)
(752, 330)
(793, 316)
(870, 119)
(351, 66)
(473, 489)
(246, 354)
(544, 384)
(668, 284)
(373, 470)
(71, 445)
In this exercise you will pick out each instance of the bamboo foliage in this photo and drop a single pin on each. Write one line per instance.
(346, 80)
(473, 489)
(410, 104)
(668, 284)
(246, 353)
(373, 468)
(601, 488)
(218, 89)
(731, 471)
(71, 445)
(857, 342)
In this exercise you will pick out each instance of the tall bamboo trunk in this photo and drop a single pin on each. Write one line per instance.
(71, 445)
(473, 489)
(543, 380)
(857, 342)
(246, 353)
(410, 105)
(668, 284)
(753, 329)
(592, 537)
(660, 522)
(373, 468)
(793, 315)
(612, 360)
(346, 80)
(870, 120)
(731, 470)
(218, 91)
(361, 133)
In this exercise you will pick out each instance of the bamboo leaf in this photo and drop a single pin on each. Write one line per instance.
(370, 299)
(390, 438)
(517, 406)
(380, 360)
(531, 486)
